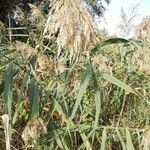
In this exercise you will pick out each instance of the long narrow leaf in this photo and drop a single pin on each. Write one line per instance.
(86, 142)
(104, 139)
(82, 89)
(129, 143)
(7, 95)
(15, 71)
(19, 99)
(97, 99)
(108, 42)
(34, 99)
(117, 82)
(121, 140)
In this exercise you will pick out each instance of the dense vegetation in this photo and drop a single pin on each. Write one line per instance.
(64, 85)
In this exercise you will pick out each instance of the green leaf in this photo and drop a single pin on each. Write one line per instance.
(82, 89)
(59, 108)
(129, 143)
(108, 42)
(86, 142)
(34, 99)
(98, 105)
(19, 98)
(121, 140)
(114, 41)
(61, 142)
(7, 94)
(117, 82)
(97, 99)
(15, 71)
(104, 139)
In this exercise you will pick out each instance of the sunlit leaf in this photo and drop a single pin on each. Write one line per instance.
(117, 82)
(129, 143)
(121, 140)
(104, 139)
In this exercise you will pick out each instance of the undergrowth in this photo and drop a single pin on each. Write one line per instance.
(72, 99)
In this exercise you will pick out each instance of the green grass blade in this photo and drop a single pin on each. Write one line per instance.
(98, 105)
(97, 99)
(104, 139)
(60, 92)
(139, 137)
(7, 94)
(82, 89)
(64, 143)
(121, 140)
(60, 139)
(129, 143)
(60, 110)
(117, 82)
(34, 99)
(59, 142)
(108, 42)
(19, 99)
(86, 142)
(113, 41)
(2, 83)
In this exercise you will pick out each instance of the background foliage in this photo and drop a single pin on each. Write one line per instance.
(63, 85)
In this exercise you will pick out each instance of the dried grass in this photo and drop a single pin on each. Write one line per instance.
(5, 120)
(142, 59)
(25, 49)
(36, 12)
(19, 15)
(146, 140)
(33, 130)
(102, 63)
(44, 66)
(73, 23)
(2, 27)
(143, 29)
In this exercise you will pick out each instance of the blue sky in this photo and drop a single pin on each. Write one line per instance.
(112, 15)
